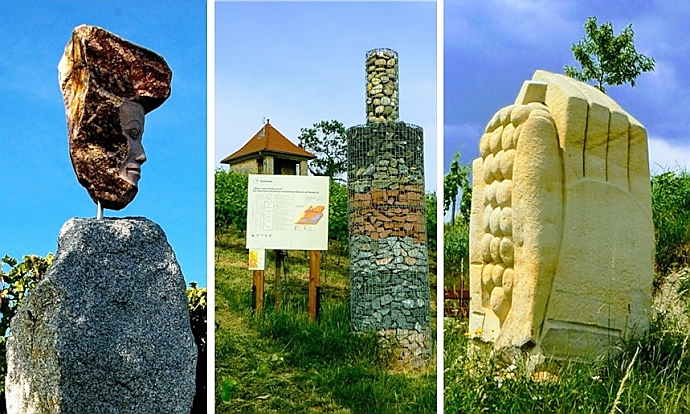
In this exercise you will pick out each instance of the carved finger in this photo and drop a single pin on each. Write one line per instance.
(638, 165)
(596, 141)
(617, 154)
(596, 134)
(568, 107)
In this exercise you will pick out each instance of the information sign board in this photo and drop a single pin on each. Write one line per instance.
(287, 212)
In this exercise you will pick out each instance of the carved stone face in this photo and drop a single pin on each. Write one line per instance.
(107, 153)
(132, 124)
(108, 84)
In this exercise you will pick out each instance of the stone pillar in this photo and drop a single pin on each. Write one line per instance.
(389, 270)
(303, 168)
(108, 328)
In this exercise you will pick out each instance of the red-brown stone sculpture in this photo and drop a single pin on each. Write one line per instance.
(108, 85)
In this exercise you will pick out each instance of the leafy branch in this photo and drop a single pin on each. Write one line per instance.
(327, 141)
(606, 58)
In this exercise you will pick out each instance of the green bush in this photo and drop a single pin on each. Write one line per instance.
(197, 301)
(231, 199)
(456, 241)
(431, 232)
(671, 215)
(338, 214)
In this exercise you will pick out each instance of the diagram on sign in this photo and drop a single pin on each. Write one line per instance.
(311, 215)
(287, 212)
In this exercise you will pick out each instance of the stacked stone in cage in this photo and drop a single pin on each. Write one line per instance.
(382, 85)
(389, 268)
(389, 282)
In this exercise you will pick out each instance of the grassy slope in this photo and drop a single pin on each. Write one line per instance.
(659, 380)
(282, 362)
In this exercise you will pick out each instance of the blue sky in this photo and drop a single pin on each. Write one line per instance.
(303, 62)
(40, 190)
(492, 46)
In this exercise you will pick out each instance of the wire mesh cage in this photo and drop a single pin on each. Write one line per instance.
(382, 85)
(389, 282)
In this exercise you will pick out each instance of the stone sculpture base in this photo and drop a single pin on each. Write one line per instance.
(107, 330)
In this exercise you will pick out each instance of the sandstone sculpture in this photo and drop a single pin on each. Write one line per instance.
(561, 236)
(389, 267)
(108, 85)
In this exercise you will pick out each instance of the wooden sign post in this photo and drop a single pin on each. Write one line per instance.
(258, 291)
(314, 283)
(279, 269)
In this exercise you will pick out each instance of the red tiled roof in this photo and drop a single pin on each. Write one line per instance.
(268, 140)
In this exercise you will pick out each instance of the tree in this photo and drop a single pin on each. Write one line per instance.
(338, 216)
(431, 209)
(458, 179)
(606, 58)
(327, 141)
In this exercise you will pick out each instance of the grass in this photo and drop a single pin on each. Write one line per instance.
(651, 375)
(281, 361)
(671, 215)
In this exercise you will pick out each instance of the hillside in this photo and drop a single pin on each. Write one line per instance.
(283, 362)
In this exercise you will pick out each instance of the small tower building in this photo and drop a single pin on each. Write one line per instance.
(269, 152)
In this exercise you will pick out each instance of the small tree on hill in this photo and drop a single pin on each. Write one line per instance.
(457, 180)
(327, 141)
(606, 58)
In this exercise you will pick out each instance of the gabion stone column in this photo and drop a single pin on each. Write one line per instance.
(382, 85)
(389, 268)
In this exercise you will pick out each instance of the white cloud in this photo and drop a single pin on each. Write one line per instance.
(664, 155)
(534, 20)
(495, 24)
